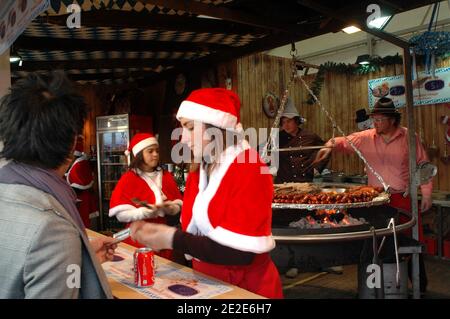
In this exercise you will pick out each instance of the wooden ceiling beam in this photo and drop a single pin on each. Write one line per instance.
(63, 44)
(230, 54)
(358, 22)
(107, 76)
(218, 12)
(30, 66)
(161, 22)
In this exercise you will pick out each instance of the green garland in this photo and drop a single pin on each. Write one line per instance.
(376, 63)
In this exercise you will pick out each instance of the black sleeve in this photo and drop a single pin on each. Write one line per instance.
(207, 250)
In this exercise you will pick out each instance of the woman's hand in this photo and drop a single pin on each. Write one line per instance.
(155, 236)
(103, 248)
(169, 207)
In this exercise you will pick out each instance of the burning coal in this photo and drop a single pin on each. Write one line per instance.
(327, 219)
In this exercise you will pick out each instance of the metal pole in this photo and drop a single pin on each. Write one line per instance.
(409, 112)
(412, 165)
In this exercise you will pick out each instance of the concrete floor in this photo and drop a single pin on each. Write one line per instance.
(345, 286)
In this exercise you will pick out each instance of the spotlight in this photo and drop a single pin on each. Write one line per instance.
(363, 59)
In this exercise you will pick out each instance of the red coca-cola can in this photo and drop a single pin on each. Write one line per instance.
(144, 267)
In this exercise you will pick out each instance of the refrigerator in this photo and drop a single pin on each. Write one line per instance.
(113, 137)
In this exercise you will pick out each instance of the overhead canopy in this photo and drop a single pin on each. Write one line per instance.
(141, 40)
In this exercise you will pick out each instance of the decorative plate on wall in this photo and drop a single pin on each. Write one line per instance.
(271, 102)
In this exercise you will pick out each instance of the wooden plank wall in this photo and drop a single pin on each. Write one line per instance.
(342, 95)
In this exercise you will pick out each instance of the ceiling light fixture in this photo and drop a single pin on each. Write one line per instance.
(380, 23)
(363, 59)
(351, 29)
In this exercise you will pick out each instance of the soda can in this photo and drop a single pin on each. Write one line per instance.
(144, 267)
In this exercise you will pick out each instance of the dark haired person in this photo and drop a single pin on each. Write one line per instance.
(385, 147)
(145, 181)
(45, 250)
(295, 166)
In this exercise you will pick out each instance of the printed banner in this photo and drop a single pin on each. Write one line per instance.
(15, 15)
(426, 89)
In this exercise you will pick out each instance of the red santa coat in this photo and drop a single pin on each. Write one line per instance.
(131, 186)
(87, 206)
(81, 178)
(234, 209)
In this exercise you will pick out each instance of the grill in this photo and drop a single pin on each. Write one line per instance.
(315, 249)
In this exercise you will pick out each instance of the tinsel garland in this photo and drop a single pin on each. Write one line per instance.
(430, 42)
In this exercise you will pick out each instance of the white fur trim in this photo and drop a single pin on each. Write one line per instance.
(82, 187)
(254, 244)
(119, 208)
(205, 114)
(199, 223)
(143, 144)
(83, 157)
(155, 187)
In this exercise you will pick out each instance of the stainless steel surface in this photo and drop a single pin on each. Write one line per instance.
(344, 236)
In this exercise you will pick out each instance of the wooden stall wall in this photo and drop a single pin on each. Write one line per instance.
(342, 95)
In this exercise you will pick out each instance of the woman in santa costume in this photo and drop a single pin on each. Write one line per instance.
(81, 178)
(145, 182)
(226, 217)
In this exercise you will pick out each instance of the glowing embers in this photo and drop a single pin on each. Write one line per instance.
(327, 218)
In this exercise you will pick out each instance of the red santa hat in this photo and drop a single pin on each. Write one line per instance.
(80, 175)
(215, 106)
(139, 142)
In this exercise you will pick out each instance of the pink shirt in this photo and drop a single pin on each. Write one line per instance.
(390, 160)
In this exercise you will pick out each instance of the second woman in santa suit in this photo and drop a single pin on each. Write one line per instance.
(145, 181)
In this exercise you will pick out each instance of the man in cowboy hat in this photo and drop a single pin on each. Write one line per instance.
(385, 148)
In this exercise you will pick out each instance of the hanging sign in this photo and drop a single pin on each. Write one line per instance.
(426, 89)
(15, 15)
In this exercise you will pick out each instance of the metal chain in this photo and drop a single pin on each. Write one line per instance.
(276, 122)
(333, 122)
